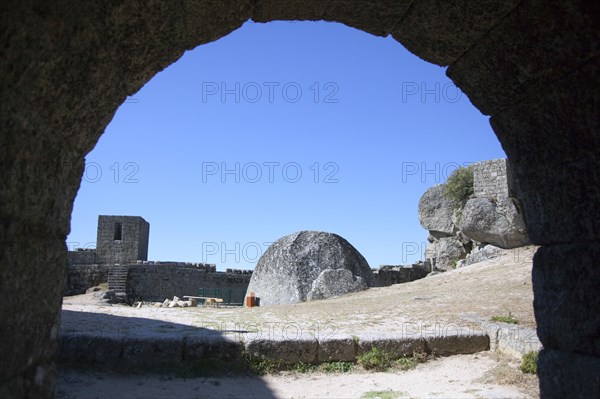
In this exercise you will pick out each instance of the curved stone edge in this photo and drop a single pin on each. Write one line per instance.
(171, 353)
(510, 338)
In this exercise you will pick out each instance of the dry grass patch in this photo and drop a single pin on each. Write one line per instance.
(507, 372)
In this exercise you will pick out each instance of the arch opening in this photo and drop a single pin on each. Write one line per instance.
(535, 78)
(352, 154)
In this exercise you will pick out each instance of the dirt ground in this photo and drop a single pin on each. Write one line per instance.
(497, 287)
(462, 376)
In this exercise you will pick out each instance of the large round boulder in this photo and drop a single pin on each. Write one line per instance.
(287, 271)
(497, 222)
(435, 212)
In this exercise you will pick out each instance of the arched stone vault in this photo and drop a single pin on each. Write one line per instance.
(532, 66)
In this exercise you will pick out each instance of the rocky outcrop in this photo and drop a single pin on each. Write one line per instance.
(492, 218)
(435, 212)
(497, 222)
(446, 252)
(287, 271)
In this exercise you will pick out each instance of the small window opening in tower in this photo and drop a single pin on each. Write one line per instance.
(118, 231)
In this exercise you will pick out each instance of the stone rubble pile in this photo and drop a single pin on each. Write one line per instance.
(175, 303)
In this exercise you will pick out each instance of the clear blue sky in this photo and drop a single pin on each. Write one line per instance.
(381, 128)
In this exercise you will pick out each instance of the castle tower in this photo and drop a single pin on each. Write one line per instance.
(122, 239)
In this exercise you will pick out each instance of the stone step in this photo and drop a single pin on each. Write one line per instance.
(117, 278)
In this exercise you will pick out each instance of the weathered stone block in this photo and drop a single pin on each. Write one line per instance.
(210, 344)
(395, 346)
(457, 343)
(566, 301)
(337, 350)
(285, 350)
(568, 375)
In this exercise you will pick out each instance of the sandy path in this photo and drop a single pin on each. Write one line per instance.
(451, 377)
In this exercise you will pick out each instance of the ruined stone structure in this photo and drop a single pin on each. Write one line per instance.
(531, 65)
(121, 260)
(388, 275)
(122, 239)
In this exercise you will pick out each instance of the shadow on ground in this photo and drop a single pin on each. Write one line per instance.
(160, 351)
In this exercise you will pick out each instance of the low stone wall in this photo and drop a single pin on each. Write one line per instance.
(82, 257)
(388, 275)
(134, 345)
(158, 281)
(82, 277)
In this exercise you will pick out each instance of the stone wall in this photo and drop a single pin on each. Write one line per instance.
(388, 275)
(159, 281)
(156, 281)
(492, 179)
(82, 277)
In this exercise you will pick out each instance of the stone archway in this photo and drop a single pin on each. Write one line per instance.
(531, 65)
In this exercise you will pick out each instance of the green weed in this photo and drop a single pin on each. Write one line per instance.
(529, 363)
